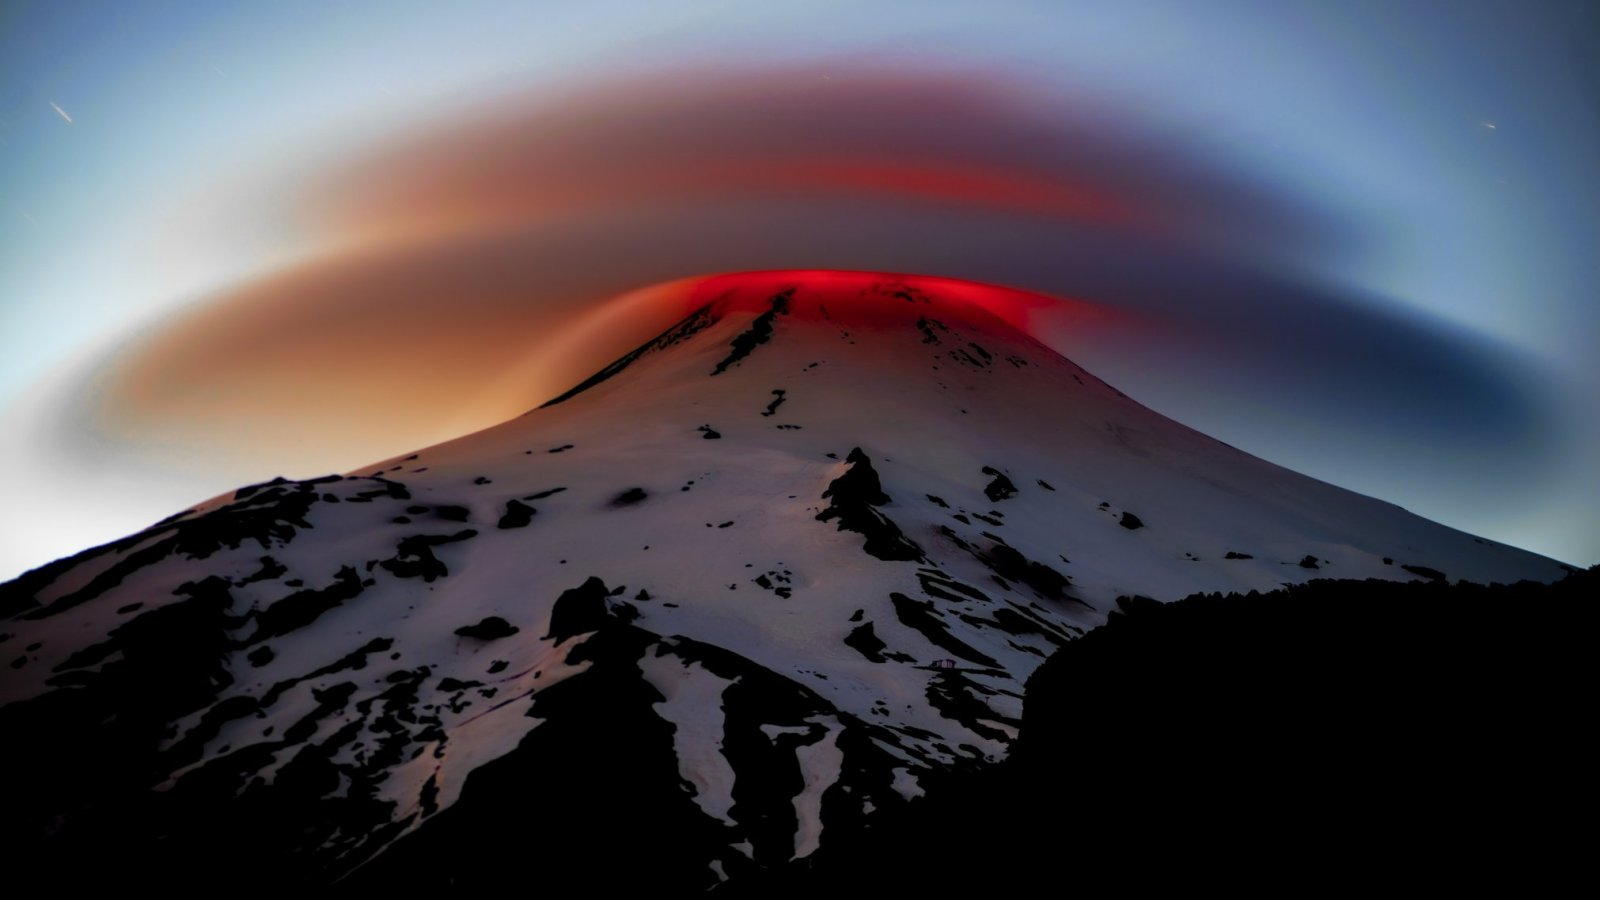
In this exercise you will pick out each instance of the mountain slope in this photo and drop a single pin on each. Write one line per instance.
(775, 570)
(1258, 744)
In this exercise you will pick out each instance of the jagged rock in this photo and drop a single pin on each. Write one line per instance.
(489, 629)
(854, 495)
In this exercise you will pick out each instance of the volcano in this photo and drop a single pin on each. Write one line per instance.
(785, 566)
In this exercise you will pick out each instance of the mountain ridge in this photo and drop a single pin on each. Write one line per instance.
(793, 557)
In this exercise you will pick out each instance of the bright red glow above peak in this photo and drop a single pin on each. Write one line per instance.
(863, 296)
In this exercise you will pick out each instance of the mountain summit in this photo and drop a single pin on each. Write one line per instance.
(783, 566)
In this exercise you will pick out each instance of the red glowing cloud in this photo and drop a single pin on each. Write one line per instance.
(470, 269)
(715, 138)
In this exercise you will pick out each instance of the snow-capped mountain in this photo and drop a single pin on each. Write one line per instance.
(782, 566)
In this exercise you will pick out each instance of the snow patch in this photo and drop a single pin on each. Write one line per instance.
(820, 765)
(906, 784)
(693, 705)
(772, 731)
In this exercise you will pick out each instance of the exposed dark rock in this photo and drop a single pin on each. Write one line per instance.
(923, 618)
(959, 697)
(269, 514)
(854, 494)
(862, 640)
(1130, 521)
(1011, 621)
(489, 629)
(859, 484)
(414, 555)
(629, 497)
(384, 490)
(301, 608)
(759, 332)
(356, 659)
(453, 513)
(1000, 488)
(937, 584)
(428, 798)
(518, 515)
(93, 742)
(1425, 572)
(682, 331)
(250, 490)
(1009, 563)
(270, 569)
(579, 610)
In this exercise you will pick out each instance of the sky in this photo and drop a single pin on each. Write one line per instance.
(249, 239)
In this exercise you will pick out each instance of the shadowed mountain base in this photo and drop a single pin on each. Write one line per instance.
(1251, 742)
